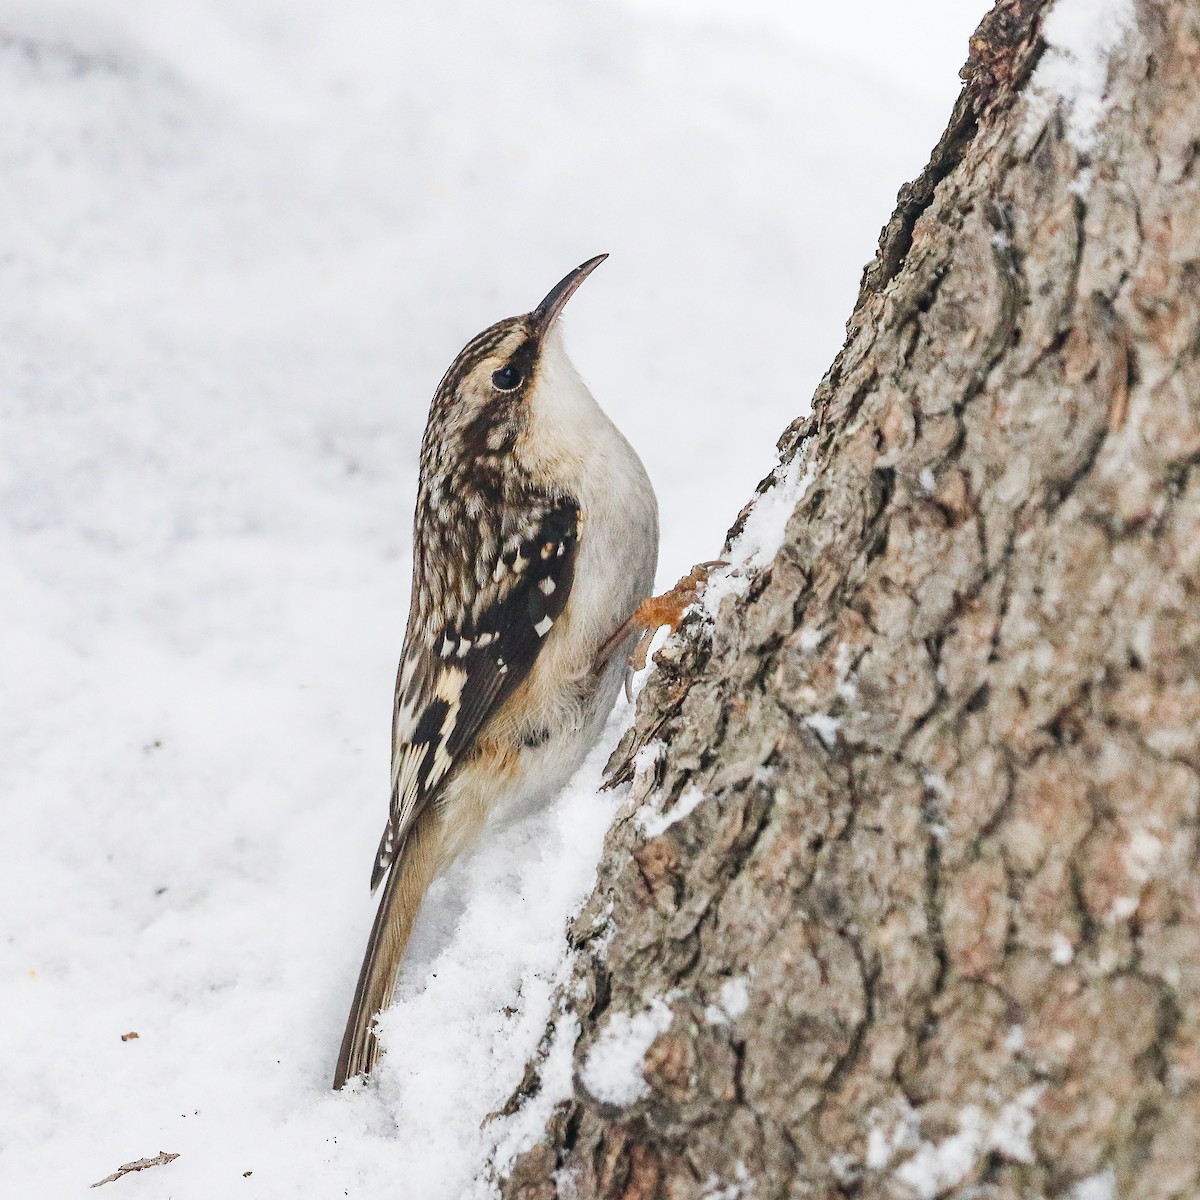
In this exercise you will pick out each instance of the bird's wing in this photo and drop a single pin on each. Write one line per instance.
(449, 685)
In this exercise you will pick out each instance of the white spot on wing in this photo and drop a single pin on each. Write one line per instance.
(450, 685)
(441, 763)
(546, 586)
(543, 626)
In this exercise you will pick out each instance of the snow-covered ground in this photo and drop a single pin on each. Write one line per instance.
(239, 242)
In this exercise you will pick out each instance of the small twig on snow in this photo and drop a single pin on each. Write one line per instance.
(160, 1159)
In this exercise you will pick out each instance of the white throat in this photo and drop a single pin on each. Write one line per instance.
(566, 427)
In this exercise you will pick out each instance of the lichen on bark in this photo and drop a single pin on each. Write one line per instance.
(934, 928)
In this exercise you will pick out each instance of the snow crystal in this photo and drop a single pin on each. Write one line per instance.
(714, 1189)
(644, 786)
(879, 1149)
(1013, 1127)
(762, 532)
(825, 727)
(934, 1167)
(846, 1168)
(734, 996)
(810, 639)
(1080, 36)
(931, 1167)
(652, 823)
(905, 1130)
(525, 1127)
(1102, 1186)
(1142, 854)
(612, 1072)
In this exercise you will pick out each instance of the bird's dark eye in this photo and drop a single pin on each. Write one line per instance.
(506, 378)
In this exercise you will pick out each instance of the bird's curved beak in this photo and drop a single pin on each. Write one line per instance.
(547, 312)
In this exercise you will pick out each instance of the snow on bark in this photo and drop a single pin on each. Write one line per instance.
(1080, 37)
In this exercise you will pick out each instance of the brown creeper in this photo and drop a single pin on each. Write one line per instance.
(535, 539)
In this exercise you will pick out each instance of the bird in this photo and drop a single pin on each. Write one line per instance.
(535, 540)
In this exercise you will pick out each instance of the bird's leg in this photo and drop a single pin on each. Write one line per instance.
(655, 612)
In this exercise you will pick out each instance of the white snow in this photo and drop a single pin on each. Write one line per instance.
(825, 727)
(242, 241)
(732, 1000)
(742, 1185)
(936, 1166)
(810, 639)
(1062, 951)
(1080, 38)
(653, 823)
(1142, 854)
(1101, 1186)
(1013, 1127)
(891, 1131)
(644, 786)
(762, 533)
(612, 1071)
(764, 528)
(734, 996)
(523, 1129)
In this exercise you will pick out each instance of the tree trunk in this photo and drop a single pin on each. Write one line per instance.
(903, 900)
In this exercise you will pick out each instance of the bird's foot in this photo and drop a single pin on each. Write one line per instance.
(668, 609)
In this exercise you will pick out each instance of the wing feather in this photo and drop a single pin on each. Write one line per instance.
(450, 684)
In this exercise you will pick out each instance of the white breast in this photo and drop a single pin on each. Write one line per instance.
(571, 444)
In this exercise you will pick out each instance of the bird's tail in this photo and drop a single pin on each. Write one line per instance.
(411, 873)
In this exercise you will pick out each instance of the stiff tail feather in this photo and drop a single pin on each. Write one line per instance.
(411, 872)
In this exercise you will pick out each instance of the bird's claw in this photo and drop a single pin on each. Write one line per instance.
(656, 611)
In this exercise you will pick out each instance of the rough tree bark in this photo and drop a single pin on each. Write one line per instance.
(934, 928)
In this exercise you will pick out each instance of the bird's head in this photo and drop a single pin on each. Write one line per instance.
(484, 400)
